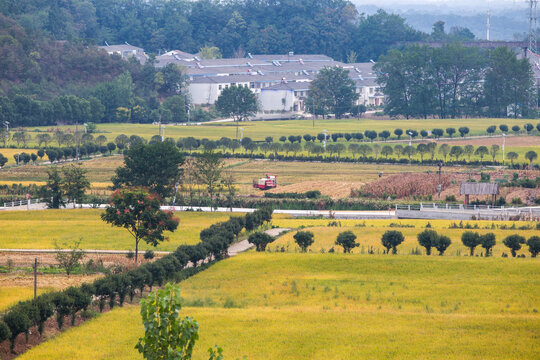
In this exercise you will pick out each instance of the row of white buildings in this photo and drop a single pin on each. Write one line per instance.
(280, 81)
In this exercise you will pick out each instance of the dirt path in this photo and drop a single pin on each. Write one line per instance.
(244, 245)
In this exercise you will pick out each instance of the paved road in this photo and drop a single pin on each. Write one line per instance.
(296, 213)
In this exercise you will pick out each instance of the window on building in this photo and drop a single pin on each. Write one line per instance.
(219, 87)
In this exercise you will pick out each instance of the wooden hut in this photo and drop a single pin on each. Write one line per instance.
(490, 189)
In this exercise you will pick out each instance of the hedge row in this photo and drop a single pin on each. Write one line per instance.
(115, 288)
(370, 160)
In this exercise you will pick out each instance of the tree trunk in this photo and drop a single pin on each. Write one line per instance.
(472, 251)
(136, 250)
(428, 250)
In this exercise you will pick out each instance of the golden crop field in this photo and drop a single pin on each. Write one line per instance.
(9, 153)
(13, 294)
(369, 233)
(336, 306)
(40, 230)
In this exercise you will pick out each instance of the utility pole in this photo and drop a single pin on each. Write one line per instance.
(324, 142)
(487, 23)
(241, 137)
(504, 142)
(35, 278)
(439, 187)
(77, 138)
(6, 123)
(532, 25)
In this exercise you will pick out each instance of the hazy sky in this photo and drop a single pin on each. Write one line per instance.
(473, 4)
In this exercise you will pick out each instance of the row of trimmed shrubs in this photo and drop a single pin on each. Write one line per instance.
(111, 289)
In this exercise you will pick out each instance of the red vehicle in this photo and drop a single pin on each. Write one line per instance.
(269, 181)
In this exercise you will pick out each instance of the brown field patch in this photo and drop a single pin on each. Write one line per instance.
(57, 282)
(334, 189)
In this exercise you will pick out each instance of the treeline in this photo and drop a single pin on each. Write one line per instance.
(456, 81)
(330, 27)
(115, 289)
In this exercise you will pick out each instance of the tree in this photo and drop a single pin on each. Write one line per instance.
(442, 243)
(111, 147)
(391, 239)
(370, 134)
(534, 245)
(491, 129)
(508, 85)
(346, 239)
(463, 131)
(385, 134)
(450, 131)
(516, 129)
(210, 52)
(333, 90)
(43, 139)
(468, 150)
(398, 133)
(101, 139)
(481, 151)
(503, 128)
(456, 151)
(238, 102)
(3, 160)
(428, 239)
(209, 168)
(304, 239)
(531, 156)
(528, 127)
(513, 242)
(512, 156)
(75, 183)
(139, 213)
(68, 255)
(493, 150)
(166, 335)
(54, 189)
(422, 149)
(260, 240)
(155, 166)
(386, 151)
(488, 242)
(471, 240)
(437, 132)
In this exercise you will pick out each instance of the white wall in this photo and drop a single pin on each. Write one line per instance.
(271, 100)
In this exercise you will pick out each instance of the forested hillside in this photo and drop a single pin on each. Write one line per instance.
(330, 27)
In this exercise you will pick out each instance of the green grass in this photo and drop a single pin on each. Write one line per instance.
(40, 229)
(335, 306)
(258, 130)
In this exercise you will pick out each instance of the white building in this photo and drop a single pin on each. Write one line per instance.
(286, 97)
(126, 51)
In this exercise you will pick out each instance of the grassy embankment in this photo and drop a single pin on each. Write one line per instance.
(336, 306)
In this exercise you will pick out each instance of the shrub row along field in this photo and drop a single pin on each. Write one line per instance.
(259, 130)
(25, 230)
(336, 306)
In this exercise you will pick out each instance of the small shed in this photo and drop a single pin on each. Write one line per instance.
(470, 188)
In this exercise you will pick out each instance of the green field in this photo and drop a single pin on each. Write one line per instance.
(40, 230)
(370, 233)
(335, 306)
(258, 130)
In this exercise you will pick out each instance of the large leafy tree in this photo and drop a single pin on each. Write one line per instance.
(155, 166)
(75, 183)
(508, 82)
(238, 102)
(333, 90)
(138, 211)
